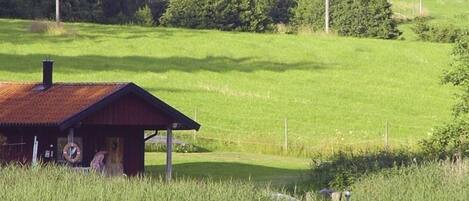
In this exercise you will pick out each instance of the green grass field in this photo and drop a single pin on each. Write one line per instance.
(274, 170)
(454, 12)
(333, 90)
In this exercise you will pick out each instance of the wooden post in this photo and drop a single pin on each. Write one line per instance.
(70, 136)
(285, 143)
(420, 8)
(386, 130)
(57, 12)
(326, 16)
(195, 132)
(35, 147)
(169, 153)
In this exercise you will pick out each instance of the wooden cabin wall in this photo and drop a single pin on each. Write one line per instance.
(134, 152)
(45, 137)
(94, 139)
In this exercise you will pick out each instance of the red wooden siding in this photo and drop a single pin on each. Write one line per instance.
(128, 111)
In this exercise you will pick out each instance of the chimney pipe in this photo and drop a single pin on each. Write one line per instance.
(47, 68)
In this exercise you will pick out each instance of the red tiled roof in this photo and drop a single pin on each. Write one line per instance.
(27, 104)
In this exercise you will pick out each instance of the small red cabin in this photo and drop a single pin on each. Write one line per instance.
(70, 123)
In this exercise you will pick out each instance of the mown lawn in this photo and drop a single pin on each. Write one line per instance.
(275, 170)
(333, 90)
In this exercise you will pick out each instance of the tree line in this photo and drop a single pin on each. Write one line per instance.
(361, 18)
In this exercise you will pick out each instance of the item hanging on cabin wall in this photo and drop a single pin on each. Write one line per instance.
(3, 139)
(97, 164)
(72, 152)
(49, 153)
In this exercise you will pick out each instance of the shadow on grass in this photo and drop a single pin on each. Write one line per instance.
(16, 32)
(231, 170)
(94, 63)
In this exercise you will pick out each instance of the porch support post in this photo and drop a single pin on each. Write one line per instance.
(169, 153)
(71, 133)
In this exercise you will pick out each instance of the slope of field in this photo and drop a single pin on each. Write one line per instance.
(454, 12)
(333, 90)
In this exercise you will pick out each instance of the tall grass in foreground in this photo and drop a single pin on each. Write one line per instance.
(60, 183)
(433, 181)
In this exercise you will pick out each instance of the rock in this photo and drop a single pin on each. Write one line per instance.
(282, 197)
(326, 192)
(336, 196)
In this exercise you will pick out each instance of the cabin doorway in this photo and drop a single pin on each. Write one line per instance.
(115, 156)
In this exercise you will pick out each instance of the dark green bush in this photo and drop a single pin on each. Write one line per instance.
(342, 169)
(359, 18)
(282, 11)
(449, 140)
(453, 138)
(144, 16)
(437, 32)
(158, 8)
(241, 15)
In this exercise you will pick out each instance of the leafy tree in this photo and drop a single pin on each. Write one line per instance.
(453, 138)
(359, 18)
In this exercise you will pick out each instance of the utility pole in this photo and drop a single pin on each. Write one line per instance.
(386, 131)
(326, 16)
(57, 12)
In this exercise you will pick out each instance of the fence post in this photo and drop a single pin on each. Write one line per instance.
(285, 143)
(194, 134)
(386, 130)
(420, 8)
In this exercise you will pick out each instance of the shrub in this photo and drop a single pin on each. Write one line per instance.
(241, 15)
(343, 168)
(359, 18)
(437, 32)
(453, 138)
(282, 11)
(158, 8)
(143, 16)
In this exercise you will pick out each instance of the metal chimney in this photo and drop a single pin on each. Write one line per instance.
(47, 68)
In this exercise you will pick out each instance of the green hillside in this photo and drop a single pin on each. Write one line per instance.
(333, 90)
(441, 11)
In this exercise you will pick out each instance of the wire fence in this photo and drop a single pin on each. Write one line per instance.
(409, 9)
(292, 136)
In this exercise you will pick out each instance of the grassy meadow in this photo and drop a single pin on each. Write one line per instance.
(59, 183)
(334, 91)
(433, 181)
